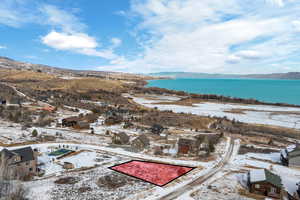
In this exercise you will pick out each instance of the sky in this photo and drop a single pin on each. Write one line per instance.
(144, 36)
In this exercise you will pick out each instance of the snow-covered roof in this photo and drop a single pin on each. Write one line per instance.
(257, 175)
(291, 148)
(260, 175)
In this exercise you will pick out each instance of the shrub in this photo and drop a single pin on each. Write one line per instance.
(34, 133)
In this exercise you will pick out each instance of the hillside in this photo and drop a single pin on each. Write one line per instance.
(10, 64)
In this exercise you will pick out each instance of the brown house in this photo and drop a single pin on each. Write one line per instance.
(75, 122)
(263, 182)
(120, 138)
(188, 146)
(141, 142)
(70, 121)
(68, 165)
(18, 163)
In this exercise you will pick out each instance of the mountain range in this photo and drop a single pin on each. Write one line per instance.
(289, 75)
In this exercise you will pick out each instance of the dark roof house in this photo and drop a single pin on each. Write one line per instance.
(264, 182)
(141, 142)
(157, 129)
(120, 138)
(19, 163)
(188, 146)
(291, 156)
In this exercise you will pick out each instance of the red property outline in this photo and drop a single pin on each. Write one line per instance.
(111, 168)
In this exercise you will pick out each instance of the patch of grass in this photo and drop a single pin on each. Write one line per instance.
(77, 85)
(16, 75)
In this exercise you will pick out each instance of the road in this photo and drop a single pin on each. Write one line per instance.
(190, 186)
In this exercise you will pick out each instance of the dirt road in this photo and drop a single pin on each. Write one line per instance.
(180, 191)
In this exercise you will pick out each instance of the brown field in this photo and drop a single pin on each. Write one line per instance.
(76, 85)
(16, 75)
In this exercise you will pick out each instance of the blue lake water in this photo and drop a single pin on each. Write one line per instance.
(275, 91)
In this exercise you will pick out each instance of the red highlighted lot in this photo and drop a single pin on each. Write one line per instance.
(155, 173)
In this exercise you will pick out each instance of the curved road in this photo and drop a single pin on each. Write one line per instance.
(190, 186)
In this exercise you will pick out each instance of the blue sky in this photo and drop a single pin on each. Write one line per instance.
(212, 36)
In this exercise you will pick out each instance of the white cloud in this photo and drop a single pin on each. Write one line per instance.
(3, 47)
(296, 24)
(276, 2)
(195, 35)
(72, 36)
(116, 42)
(13, 14)
(62, 19)
(76, 42)
(67, 41)
(246, 54)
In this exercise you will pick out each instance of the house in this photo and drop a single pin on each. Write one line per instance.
(19, 163)
(188, 146)
(82, 125)
(112, 120)
(291, 156)
(120, 138)
(263, 182)
(141, 142)
(70, 122)
(157, 129)
(68, 165)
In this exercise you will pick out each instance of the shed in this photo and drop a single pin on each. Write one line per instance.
(68, 165)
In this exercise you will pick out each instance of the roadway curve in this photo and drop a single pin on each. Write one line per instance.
(190, 186)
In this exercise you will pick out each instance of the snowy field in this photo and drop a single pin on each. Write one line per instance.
(257, 114)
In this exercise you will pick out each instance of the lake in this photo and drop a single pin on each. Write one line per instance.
(275, 91)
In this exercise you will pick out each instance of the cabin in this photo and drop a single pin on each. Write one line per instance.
(157, 129)
(120, 138)
(70, 122)
(68, 165)
(82, 125)
(188, 146)
(19, 163)
(263, 182)
(290, 156)
(141, 142)
(112, 120)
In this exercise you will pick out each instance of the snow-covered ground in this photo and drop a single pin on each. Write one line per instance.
(258, 114)
(157, 192)
(290, 176)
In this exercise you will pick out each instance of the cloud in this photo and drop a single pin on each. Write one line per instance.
(13, 14)
(3, 47)
(62, 19)
(71, 36)
(296, 25)
(116, 42)
(76, 42)
(66, 41)
(246, 55)
(276, 2)
(195, 35)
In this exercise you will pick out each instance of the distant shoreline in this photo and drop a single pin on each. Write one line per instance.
(220, 97)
